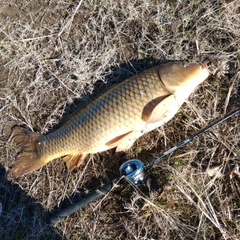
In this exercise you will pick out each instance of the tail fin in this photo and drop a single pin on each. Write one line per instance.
(28, 160)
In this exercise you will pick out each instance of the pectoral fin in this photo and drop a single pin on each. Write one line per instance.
(158, 108)
(73, 161)
(122, 142)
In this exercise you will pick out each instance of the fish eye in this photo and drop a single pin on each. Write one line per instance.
(184, 65)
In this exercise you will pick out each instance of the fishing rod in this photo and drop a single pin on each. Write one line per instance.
(133, 171)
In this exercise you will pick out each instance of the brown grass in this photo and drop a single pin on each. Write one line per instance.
(56, 55)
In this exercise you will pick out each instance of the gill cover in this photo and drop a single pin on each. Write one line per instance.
(182, 75)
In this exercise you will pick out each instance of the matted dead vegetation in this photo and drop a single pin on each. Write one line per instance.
(56, 55)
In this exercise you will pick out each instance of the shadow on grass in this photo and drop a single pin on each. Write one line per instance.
(21, 217)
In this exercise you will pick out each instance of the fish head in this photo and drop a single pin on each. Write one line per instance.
(181, 75)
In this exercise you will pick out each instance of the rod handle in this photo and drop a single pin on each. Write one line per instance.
(52, 219)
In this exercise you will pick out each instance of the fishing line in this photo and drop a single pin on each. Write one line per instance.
(133, 170)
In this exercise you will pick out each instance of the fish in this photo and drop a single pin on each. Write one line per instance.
(114, 119)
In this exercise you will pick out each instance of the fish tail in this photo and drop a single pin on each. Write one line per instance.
(28, 160)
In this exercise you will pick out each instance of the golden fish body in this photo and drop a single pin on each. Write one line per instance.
(114, 119)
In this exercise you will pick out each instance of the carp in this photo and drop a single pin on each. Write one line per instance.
(116, 118)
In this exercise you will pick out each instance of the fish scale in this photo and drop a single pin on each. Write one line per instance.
(116, 118)
(111, 114)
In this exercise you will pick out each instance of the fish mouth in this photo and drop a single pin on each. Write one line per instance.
(203, 65)
(204, 69)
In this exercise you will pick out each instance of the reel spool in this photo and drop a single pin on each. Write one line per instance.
(133, 171)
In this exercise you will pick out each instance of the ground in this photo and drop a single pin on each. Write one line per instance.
(57, 55)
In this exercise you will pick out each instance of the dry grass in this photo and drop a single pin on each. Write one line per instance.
(55, 55)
